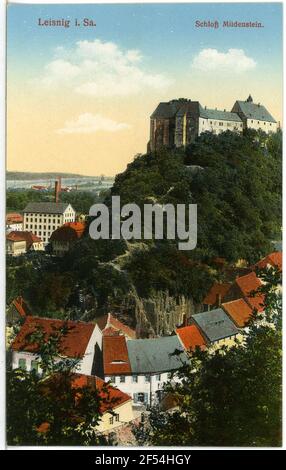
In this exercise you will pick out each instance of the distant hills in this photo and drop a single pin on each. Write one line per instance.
(23, 175)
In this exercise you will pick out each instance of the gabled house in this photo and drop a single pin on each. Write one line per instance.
(19, 242)
(115, 408)
(111, 326)
(141, 367)
(239, 311)
(272, 260)
(245, 287)
(216, 295)
(216, 327)
(82, 341)
(191, 338)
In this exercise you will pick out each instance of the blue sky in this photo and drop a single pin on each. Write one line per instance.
(80, 98)
(164, 33)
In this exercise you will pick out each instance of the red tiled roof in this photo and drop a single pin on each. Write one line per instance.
(19, 236)
(73, 344)
(274, 259)
(115, 355)
(118, 325)
(71, 231)
(239, 311)
(112, 396)
(191, 337)
(14, 218)
(110, 325)
(217, 289)
(248, 284)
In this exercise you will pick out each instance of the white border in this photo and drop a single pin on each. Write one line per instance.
(2, 215)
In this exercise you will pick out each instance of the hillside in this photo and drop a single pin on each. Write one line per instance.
(236, 182)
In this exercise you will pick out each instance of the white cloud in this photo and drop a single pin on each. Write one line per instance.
(88, 123)
(101, 69)
(234, 60)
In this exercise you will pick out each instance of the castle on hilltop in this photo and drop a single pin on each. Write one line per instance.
(178, 122)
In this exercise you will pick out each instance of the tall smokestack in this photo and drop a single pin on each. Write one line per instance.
(56, 191)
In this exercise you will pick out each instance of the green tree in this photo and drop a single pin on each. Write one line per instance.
(48, 409)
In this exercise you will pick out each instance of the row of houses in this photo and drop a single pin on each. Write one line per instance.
(108, 351)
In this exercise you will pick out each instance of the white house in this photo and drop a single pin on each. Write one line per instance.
(82, 341)
(43, 218)
(141, 367)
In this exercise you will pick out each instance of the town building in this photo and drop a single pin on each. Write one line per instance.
(215, 295)
(65, 236)
(178, 122)
(43, 218)
(18, 243)
(142, 367)
(14, 222)
(191, 338)
(111, 326)
(82, 341)
(245, 287)
(116, 406)
(216, 327)
(239, 311)
(272, 260)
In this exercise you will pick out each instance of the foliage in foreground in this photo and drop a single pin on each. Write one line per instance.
(49, 409)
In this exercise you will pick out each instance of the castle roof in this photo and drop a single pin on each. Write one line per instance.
(251, 110)
(219, 115)
(169, 109)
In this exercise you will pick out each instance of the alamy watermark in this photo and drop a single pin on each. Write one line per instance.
(155, 221)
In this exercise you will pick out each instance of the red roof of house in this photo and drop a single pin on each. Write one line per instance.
(14, 218)
(111, 326)
(239, 311)
(112, 396)
(20, 236)
(71, 231)
(274, 259)
(248, 284)
(217, 289)
(115, 355)
(72, 344)
(191, 337)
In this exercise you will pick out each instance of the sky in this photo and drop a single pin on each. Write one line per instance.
(79, 98)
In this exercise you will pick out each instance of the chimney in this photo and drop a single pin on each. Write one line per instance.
(218, 300)
(56, 191)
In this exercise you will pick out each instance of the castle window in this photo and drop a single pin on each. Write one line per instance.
(220, 123)
(211, 122)
(270, 124)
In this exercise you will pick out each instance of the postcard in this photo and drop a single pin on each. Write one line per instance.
(144, 225)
